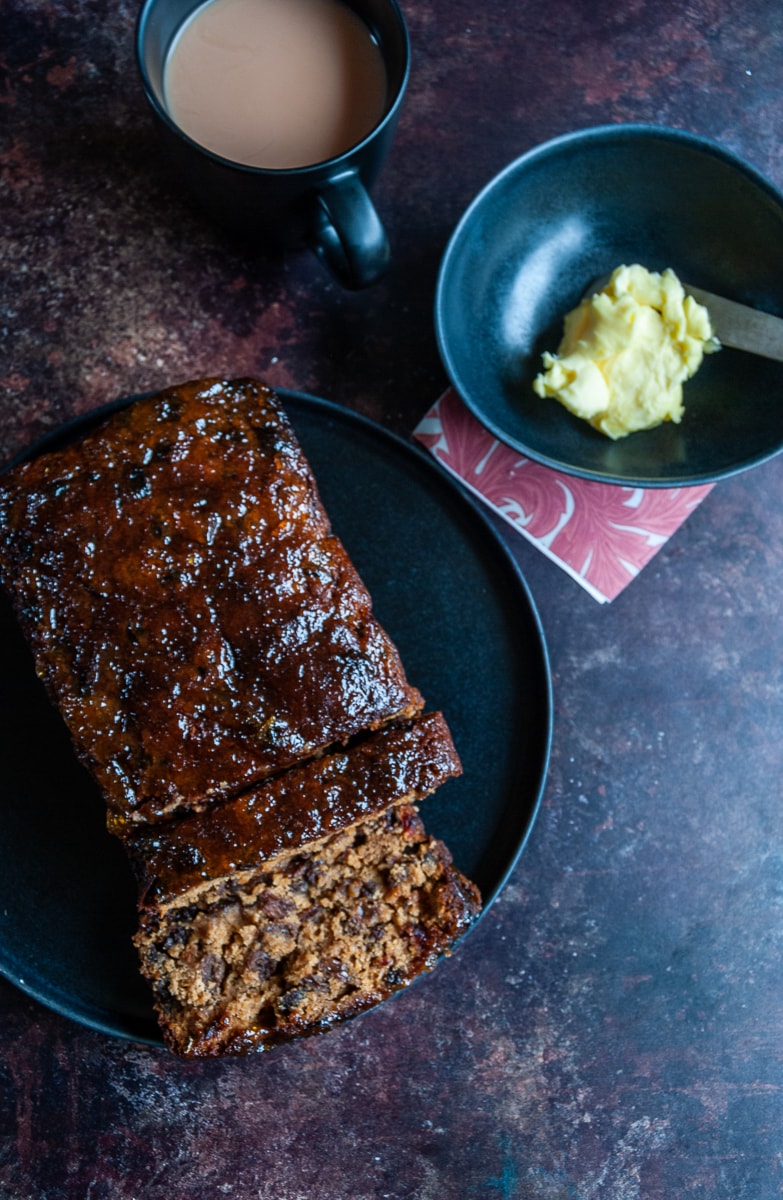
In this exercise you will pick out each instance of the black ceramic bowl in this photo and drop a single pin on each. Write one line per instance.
(570, 211)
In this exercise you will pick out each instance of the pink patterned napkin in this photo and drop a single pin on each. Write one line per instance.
(602, 534)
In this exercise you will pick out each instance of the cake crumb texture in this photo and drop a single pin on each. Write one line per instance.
(320, 938)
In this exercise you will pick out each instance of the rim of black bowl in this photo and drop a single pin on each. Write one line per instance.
(620, 131)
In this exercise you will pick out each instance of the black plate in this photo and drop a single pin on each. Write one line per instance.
(470, 637)
(569, 212)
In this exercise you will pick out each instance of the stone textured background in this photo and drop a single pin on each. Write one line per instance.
(613, 1028)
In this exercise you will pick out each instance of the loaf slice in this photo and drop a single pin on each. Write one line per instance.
(311, 899)
(191, 613)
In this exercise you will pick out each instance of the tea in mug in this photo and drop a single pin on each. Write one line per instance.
(275, 83)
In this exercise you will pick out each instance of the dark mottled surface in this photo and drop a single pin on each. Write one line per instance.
(614, 1027)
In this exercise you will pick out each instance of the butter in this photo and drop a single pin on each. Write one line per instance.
(627, 351)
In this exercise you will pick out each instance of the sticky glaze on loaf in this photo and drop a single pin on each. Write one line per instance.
(192, 614)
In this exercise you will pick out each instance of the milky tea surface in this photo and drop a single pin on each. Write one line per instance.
(275, 83)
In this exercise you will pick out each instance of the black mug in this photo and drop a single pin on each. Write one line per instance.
(326, 205)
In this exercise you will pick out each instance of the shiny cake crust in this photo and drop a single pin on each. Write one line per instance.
(175, 860)
(191, 613)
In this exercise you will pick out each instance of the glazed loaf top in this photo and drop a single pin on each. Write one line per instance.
(175, 860)
(190, 611)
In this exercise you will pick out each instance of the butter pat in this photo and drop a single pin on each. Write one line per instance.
(626, 352)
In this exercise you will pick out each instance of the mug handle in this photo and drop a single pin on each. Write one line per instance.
(349, 238)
